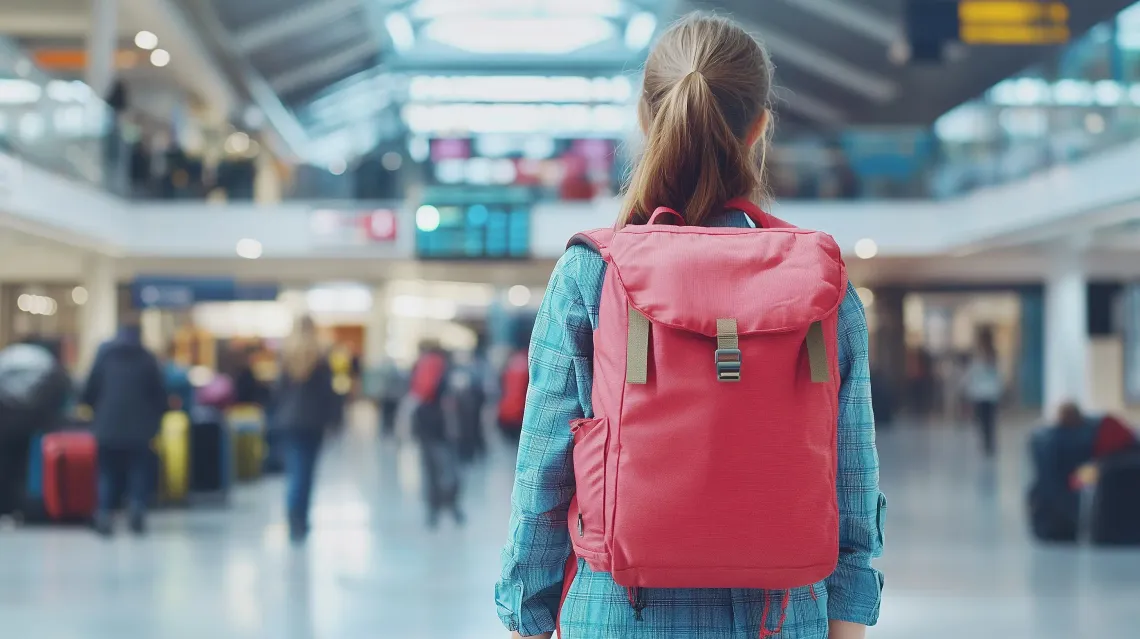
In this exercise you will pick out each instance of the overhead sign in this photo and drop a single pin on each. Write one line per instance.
(179, 292)
(334, 227)
(1013, 22)
(931, 24)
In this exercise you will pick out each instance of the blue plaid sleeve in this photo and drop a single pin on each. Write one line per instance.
(561, 355)
(855, 588)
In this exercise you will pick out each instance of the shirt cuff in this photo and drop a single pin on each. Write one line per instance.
(854, 594)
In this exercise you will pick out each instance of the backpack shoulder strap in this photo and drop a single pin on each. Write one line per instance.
(597, 240)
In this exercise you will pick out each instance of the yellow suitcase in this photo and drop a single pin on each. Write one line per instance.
(247, 423)
(173, 447)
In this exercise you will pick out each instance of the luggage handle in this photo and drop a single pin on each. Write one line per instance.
(60, 481)
(663, 211)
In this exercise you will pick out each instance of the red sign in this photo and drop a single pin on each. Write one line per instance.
(380, 225)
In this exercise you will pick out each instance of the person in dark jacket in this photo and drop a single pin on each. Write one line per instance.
(128, 397)
(434, 409)
(304, 405)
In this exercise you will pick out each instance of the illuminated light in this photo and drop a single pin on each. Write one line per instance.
(19, 91)
(1094, 123)
(37, 305)
(392, 161)
(867, 296)
(500, 89)
(253, 117)
(146, 40)
(23, 67)
(160, 57)
(427, 218)
(1073, 93)
(400, 30)
(431, 9)
(238, 142)
(24, 303)
(866, 248)
(79, 295)
(1010, 34)
(248, 248)
(518, 295)
(1108, 93)
(543, 36)
(1012, 11)
(547, 119)
(338, 167)
(639, 30)
(419, 149)
(199, 376)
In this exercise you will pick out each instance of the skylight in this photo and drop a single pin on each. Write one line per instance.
(542, 36)
(432, 9)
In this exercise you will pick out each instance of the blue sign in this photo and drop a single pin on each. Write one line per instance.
(179, 292)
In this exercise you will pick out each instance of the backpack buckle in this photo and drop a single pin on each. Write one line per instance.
(728, 361)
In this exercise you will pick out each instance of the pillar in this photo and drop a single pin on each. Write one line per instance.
(1066, 334)
(1131, 330)
(102, 44)
(376, 330)
(99, 318)
(888, 344)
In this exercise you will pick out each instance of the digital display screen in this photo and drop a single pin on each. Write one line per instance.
(476, 231)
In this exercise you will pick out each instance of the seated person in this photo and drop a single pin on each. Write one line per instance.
(1062, 455)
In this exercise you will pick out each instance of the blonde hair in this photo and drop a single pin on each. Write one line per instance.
(302, 350)
(707, 83)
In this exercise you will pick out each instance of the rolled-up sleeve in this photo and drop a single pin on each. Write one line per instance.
(855, 588)
(534, 558)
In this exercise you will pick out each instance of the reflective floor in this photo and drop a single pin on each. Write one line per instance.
(958, 564)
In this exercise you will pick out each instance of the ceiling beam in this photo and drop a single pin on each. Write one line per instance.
(789, 49)
(854, 17)
(284, 26)
(321, 68)
(809, 107)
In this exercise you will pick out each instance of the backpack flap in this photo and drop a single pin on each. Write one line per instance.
(768, 280)
(728, 283)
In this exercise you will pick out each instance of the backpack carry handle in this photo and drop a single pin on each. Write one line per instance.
(663, 211)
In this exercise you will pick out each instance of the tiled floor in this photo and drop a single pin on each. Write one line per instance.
(958, 562)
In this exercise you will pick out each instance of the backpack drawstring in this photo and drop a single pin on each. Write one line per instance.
(764, 632)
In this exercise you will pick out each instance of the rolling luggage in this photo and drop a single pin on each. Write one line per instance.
(210, 465)
(70, 464)
(173, 448)
(248, 424)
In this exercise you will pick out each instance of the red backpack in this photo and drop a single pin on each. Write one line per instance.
(427, 377)
(516, 378)
(710, 461)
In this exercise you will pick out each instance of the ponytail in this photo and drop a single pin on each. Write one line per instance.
(695, 160)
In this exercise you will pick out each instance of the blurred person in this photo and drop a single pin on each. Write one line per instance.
(512, 396)
(393, 387)
(179, 390)
(127, 394)
(303, 407)
(466, 382)
(432, 412)
(1062, 455)
(705, 110)
(984, 387)
(248, 389)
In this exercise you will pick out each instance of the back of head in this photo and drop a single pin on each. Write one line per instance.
(302, 350)
(704, 110)
(1070, 416)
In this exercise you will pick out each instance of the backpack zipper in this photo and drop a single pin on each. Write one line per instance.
(637, 602)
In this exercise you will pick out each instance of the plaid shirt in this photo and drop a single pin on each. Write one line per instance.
(533, 561)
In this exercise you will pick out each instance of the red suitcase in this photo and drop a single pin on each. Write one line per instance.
(70, 475)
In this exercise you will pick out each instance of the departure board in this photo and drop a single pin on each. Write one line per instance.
(474, 232)
(931, 24)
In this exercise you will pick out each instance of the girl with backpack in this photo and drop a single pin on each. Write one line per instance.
(698, 453)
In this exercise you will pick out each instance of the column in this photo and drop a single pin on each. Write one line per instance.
(102, 44)
(376, 330)
(888, 345)
(1066, 335)
(99, 317)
